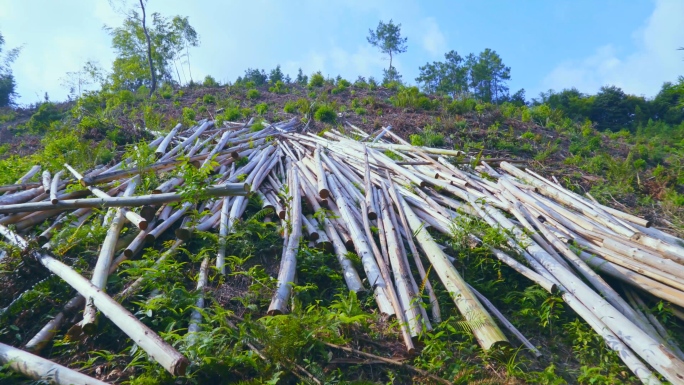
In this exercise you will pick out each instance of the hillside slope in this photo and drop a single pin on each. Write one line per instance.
(102, 128)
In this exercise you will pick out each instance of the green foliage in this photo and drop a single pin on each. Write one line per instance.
(209, 81)
(276, 75)
(253, 78)
(189, 116)
(325, 113)
(169, 39)
(411, 98)
(252, 94)
(40, 121)
(301, 79)
(279, 88)
(387, 38)
(196, 180)
(427, 137)
(342, 85)
(209, 99)
(484, 76)
(290, 107)
(7, 84)
(261, 108)
(317, 80)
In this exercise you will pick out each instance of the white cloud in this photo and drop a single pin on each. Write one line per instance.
(433, 39)
(363, 61)
(642, 72)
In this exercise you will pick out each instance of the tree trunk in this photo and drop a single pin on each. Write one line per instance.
(149, 50)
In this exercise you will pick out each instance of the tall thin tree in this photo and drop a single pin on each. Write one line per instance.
(149, 49)
(387, 38)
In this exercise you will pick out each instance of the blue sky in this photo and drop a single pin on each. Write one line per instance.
(548, 44)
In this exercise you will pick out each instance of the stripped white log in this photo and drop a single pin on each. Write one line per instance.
(196, 316)
(322, 183)
(46, 180)
(40, 369)
(227, 189)
(362, 249)
(286, 273)
(161, 149)
(30, 174)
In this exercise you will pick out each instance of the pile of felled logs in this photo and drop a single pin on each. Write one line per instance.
(352, 182)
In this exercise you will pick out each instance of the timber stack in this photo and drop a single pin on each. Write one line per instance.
(562, 241)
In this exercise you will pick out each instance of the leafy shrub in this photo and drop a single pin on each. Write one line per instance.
(261, 108)
(411, 97)
(253, 94)
(428, 137)
(278, 88)
(209, 81)
(230, 114)
(462, 106)
(527, 135)
(360, 111)
(342, 86)
(317, 80)
(189, 114)
(290, 107)
(166, 92)
(325, 113)
(41, 120)
(209, 99)
(301, 105)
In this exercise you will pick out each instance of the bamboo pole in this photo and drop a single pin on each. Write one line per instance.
(642, 344)
(196, 316)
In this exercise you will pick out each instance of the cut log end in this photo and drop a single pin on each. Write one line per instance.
(372, 215)
(183, 233)
(325, 245)
(179, 366)
(150, 238)
(324, 193)
(143, 225)
(89, 329)
(274, 312)
(148, 212)
(54, 201)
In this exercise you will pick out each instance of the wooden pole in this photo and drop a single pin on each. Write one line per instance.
(40, 369)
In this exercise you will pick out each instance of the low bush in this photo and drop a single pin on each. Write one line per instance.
(325, 113)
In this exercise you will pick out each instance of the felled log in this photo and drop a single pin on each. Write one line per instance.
(40, 369)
